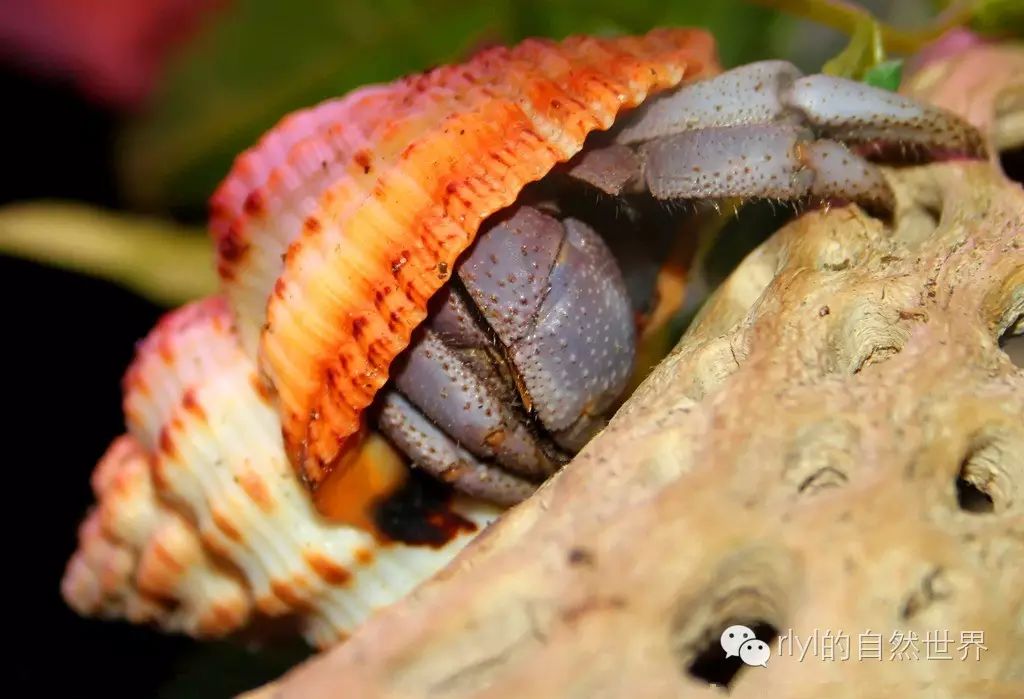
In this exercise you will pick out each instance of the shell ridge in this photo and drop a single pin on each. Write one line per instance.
(208, 600)
(309, 376)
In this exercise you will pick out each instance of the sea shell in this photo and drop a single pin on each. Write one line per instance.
(337, 228)
(204, 459)
(140, 560)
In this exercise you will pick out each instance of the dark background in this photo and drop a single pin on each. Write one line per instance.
(67, 339)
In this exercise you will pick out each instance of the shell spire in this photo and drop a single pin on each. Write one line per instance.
(352, 213)
(141, 560)
(204, 461)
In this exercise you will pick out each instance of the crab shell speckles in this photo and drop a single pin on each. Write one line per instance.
(338, 227)
(204, 459)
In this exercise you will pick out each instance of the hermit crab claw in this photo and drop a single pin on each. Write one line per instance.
(765, 131)
(538, 320)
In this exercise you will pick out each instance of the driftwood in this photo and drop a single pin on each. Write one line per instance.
(836, 445)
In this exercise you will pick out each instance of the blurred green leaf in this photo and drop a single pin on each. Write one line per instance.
(999, 17)
(886, 75)
(264, 58)
(864, 52)
(166, 263)
(848, 17)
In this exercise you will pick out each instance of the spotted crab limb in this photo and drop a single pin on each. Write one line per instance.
(462, 392)
(553, 296)
(779, 161)
(438, 454)
(854, 112)
(762, 130)
(610, 169)
(839, 173)
(750, 94)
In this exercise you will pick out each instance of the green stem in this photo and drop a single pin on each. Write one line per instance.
(845, 17)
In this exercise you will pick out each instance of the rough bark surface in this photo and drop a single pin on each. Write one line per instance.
(795, 461)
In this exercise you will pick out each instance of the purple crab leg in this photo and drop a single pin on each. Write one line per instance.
(774, 91)
(461, 390)
(750, 94)
(841, 174)
(611, 169)
(438, 454)
(762, 130)
(854, 112)
(777, 161)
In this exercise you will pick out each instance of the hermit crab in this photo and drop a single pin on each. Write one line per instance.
(410, 277)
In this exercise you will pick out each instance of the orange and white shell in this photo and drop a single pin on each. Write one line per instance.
(332, 233)
(201, 520)
(141, 560)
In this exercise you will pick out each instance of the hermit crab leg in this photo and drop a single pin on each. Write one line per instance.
(774, 91)
(438, 454)
(764, 131)
(611, 169)
(855, 112)
(750, 94)
(779, 161)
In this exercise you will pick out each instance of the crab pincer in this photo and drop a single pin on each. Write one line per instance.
(537, 321)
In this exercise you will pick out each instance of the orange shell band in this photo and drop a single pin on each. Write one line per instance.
(204, 453)
(373, 197)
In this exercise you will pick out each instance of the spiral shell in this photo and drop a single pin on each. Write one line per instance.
(202, 486)
(141, 560)
(332, 233)
(336, 229)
